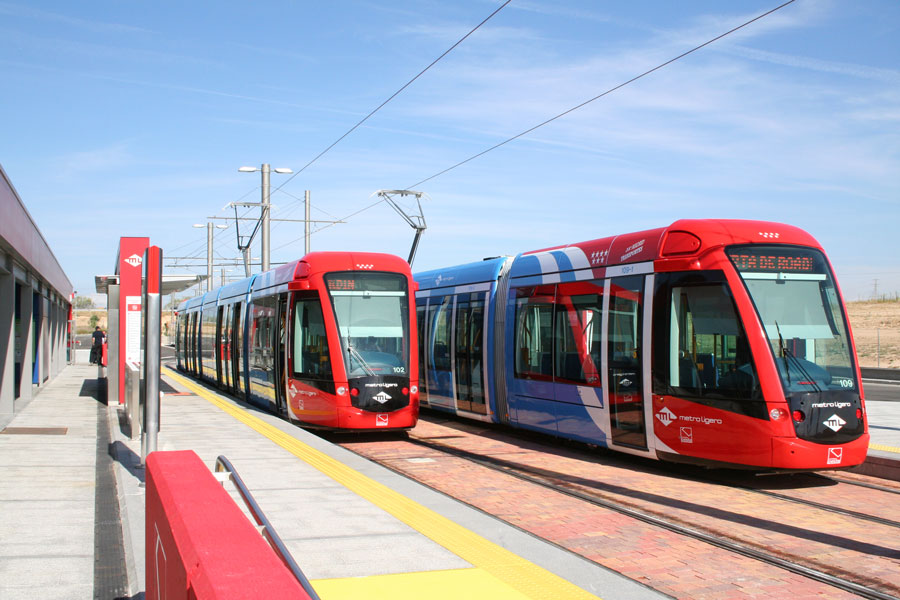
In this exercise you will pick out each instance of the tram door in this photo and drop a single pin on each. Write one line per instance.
(626, 400)
(438, 369)
(220, 345)
(420, 329)
(225, 344)
(192, 343)
(281, 355)
(469, 353)
(236, 340)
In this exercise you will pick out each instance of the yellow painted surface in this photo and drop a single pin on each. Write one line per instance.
(435, 585)
(883, 448)
(512, 576)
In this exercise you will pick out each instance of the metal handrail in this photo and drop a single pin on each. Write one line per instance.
(268, 532)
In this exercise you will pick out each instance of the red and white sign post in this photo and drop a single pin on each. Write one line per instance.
(128, 267)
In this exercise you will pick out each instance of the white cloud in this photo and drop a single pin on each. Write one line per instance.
(889, 76)
(18, 10)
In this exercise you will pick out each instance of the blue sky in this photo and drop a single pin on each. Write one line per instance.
(132, 118)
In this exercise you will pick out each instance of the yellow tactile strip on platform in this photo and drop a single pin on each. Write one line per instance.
(883, 448)
(516, 578)
(434, 585)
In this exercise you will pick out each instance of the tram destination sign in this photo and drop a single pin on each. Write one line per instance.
(341, 284)
(767, 261)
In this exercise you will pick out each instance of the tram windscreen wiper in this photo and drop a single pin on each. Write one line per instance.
(786, 355)
(354, 353)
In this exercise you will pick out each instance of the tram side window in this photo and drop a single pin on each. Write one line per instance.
(534, 332)
(440, 341)
(311, 356)
(625, 308)
(578, 331)
(179, 344)
(420, 328)
(208, 337)
(708, 351)
(262, 361)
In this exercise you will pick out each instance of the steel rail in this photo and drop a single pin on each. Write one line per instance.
(819, 505)
(520, 472)
(871, 486)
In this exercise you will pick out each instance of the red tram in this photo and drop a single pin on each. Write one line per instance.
(713, 342)
(324, 341)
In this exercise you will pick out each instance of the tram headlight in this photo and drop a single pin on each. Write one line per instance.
(777, 413)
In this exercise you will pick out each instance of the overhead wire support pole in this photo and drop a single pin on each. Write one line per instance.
(264, 216)
(264, 212)
(416, 221)
(306, 226)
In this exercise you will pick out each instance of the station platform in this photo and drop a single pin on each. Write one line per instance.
(883, 408)
(356, 529)
(71, 480)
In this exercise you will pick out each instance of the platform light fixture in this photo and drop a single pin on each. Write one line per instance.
(265, 169)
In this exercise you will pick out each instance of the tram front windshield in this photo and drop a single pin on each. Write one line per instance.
(796, 299)
(372, 314)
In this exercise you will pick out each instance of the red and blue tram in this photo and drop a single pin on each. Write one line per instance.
(714, 342)
(325, 341)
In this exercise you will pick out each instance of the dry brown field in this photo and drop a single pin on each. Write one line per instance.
(83, 320)
(876, 330)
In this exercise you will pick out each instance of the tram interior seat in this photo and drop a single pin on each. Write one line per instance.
(572, 369)
(441, 357)
(688, 376)
(546, 363)
(706, 366)
(739, 379)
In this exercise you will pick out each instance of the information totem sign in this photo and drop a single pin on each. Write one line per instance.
(129, 268)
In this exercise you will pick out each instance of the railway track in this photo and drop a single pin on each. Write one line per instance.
(608, 497)
(865, 484)
(735, 483)
(825, 507)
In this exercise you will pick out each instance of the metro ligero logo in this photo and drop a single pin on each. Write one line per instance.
(134, 260)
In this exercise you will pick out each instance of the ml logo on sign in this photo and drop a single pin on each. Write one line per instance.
(134, 260)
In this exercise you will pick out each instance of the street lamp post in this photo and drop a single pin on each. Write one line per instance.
(209, 251)
(266, 254)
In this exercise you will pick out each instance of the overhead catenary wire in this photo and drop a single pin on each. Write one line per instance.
(560, 115)
(177, 248)
(371, 113)
(597, 97)
(392, 96)
(350, 216)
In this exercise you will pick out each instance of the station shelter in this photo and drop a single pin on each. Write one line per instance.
(35, 306)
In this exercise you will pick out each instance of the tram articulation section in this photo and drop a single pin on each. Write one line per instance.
(714, 342)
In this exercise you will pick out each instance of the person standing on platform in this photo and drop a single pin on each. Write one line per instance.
(97, 346)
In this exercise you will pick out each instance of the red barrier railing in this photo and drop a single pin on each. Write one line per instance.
(198, 542)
